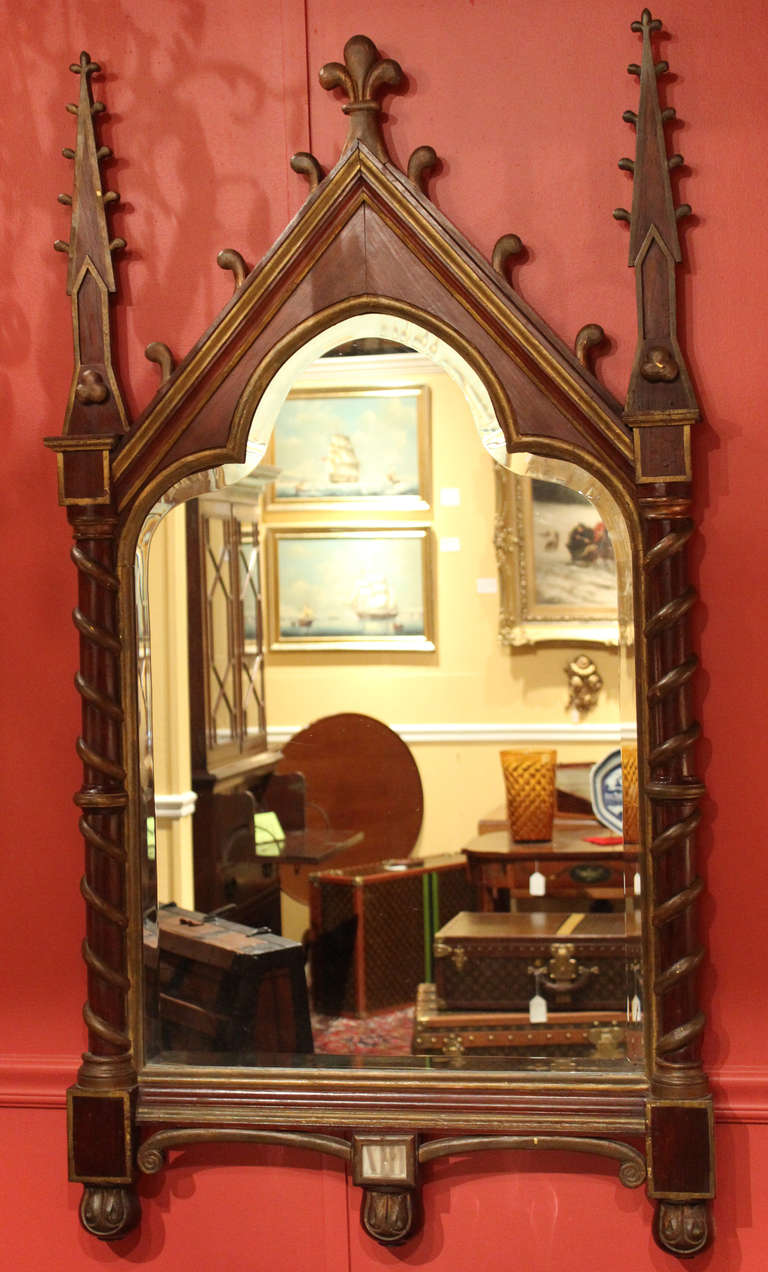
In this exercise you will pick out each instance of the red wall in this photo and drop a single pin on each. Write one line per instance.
(524, 104)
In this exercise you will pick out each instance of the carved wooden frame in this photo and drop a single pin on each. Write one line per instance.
(111, 471)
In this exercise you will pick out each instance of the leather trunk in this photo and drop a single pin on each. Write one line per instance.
(499, 962)
(577, 1034)
(373, 928)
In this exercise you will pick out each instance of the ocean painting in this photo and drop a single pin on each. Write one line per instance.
(359, 445)
(347, 589)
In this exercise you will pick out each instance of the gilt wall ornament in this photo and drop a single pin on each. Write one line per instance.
(584, 685)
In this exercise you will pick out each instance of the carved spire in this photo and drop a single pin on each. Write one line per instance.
(653, 205)
(660, 391)
(95, 404)
(362, 77)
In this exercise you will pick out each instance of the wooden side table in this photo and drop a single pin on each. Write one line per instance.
(571, 866)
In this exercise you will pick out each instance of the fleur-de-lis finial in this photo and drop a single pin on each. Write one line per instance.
(646, 22)
(362, 77)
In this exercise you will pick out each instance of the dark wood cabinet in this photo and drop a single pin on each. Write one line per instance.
(230, 759)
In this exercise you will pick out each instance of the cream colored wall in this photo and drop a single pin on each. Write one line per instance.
(463, 782)
(170, 704)
(470, 678)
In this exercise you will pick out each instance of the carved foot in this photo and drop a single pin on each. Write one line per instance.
(682, 1227)
(109, 1213)
(388, 1217)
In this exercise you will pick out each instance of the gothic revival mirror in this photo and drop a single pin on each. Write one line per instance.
(324, 579)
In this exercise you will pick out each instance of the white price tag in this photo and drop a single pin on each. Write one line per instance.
(537, 1010)
(537, 884)
(637, 884)
(487, 587)
(450, 497)
(450, 544)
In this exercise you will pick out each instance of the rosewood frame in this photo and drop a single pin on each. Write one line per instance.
(369, 240)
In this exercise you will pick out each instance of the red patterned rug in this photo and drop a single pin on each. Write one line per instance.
(388, 1033)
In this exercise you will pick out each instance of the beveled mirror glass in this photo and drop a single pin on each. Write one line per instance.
(414, 642)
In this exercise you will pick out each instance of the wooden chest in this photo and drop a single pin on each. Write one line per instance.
(577, 1034)
(228, 988)
(373, 928)
(498, 962)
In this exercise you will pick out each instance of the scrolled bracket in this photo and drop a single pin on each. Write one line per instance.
(233, 261)
(507, 248)
(307, 166)
(632, 1169)
(151, 1157)
(160, 354)
(419, 164)
(589, 340)
(682, 1227)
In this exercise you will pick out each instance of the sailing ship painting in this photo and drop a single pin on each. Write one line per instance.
(363, 445)
(374, 601)
(344, 588)
(343, 464)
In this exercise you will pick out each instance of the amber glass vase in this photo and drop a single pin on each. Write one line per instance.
(630, 813)
(529, 781)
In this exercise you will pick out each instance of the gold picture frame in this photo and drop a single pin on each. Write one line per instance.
(351, 588)
(352, 448)
(551, 582)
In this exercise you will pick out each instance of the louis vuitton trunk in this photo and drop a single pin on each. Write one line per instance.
(459, 1035)
(499, 962)
(373, 928)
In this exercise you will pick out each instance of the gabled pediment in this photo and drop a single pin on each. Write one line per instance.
(368, 240)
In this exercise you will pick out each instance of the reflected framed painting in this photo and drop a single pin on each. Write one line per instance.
(360, 588)
(556, 550)
(352, 448)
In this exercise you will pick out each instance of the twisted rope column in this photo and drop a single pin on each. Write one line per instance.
(673, 792)
(102, 800)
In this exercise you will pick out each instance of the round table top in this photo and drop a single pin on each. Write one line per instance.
(361, 779)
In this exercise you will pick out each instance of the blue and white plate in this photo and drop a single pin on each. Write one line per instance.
(606, 791)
